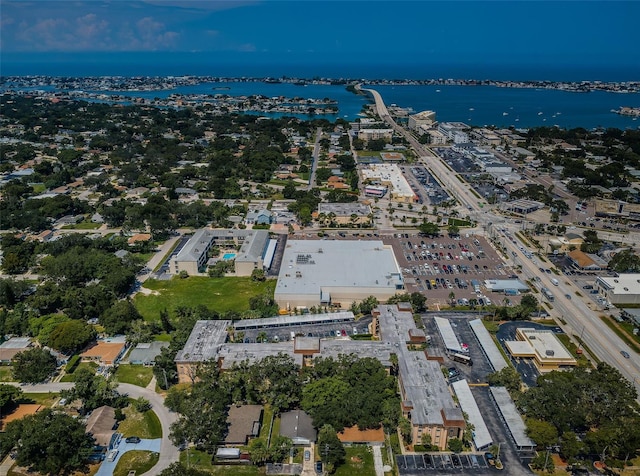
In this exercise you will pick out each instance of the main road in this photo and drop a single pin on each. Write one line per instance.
(581, 321)
(168, 452)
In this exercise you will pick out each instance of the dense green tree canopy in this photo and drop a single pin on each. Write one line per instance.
(71, 336)
(34, 365)
(48, 442)
(331, 449)
(626, 261)
(599, 403)
(350, 391)
(92, 389)
(9, 395)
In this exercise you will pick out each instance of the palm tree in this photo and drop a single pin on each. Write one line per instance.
(452, 298)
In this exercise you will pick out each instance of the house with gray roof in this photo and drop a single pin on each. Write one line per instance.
(259, 217)
(298, 426)
(145, 353)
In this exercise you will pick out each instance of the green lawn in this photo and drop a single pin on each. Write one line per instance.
(138, 461)
(219, 294)
(134, 374)
(144, 425)
(572, 348)
(6, 373)
(45, 399)
(202, 461)
(83, 225)
(267, 415)
(358, 462)
(82, 365)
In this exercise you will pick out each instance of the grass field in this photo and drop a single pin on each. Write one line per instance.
(45, 399)
(202, 461)
(219, 294)
(86, 365)
(138, 461)
(83, 225)
(358, 462)
(134, 374)
(6, 373)
(144, 425)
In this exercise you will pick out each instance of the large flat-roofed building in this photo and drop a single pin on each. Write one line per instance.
(391, 176)
(543, 346)
(422, 118)
(193, 257)
(622, 289)
(203, 345)
(346, 213)
(454, 131)
(374, 134)
(208, 343)
(426, 400)
(336, 272)
(617, 208)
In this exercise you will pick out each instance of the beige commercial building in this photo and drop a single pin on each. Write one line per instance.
(426, 399)
(374, 134)
(543, 346)
(621, 289)
(345, 213)
(252, 250)
(390, 176)
(423, 118)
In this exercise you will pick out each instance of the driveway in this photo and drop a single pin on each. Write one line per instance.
(107, 467)
(168, 452)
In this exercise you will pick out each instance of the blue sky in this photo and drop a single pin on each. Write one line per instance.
(495, 32)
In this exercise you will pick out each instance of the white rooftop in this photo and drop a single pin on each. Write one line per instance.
(451, 342)
(391, 174)
(628, 283)
(512, 418)
(310, 265)
(488, 345)
(546, 344)
(481, 436)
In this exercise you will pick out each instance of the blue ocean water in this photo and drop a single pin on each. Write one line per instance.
(474, 105)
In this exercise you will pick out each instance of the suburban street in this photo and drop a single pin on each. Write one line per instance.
(168, 452)
(314, 159)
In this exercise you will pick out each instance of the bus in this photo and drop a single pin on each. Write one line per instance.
(548, 294)
(463, 359)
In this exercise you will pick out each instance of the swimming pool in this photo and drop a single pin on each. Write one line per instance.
(228, 256)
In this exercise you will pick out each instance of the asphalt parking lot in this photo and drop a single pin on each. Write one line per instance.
(281, 334)
(443, 463)
(515, 463)
(440, 266)
(460, 324)
(425, 185)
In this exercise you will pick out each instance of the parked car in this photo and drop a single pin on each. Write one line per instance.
(133, 439)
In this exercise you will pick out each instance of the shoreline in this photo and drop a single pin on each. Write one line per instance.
(162, 83)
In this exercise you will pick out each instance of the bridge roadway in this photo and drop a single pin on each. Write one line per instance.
(580, 320)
